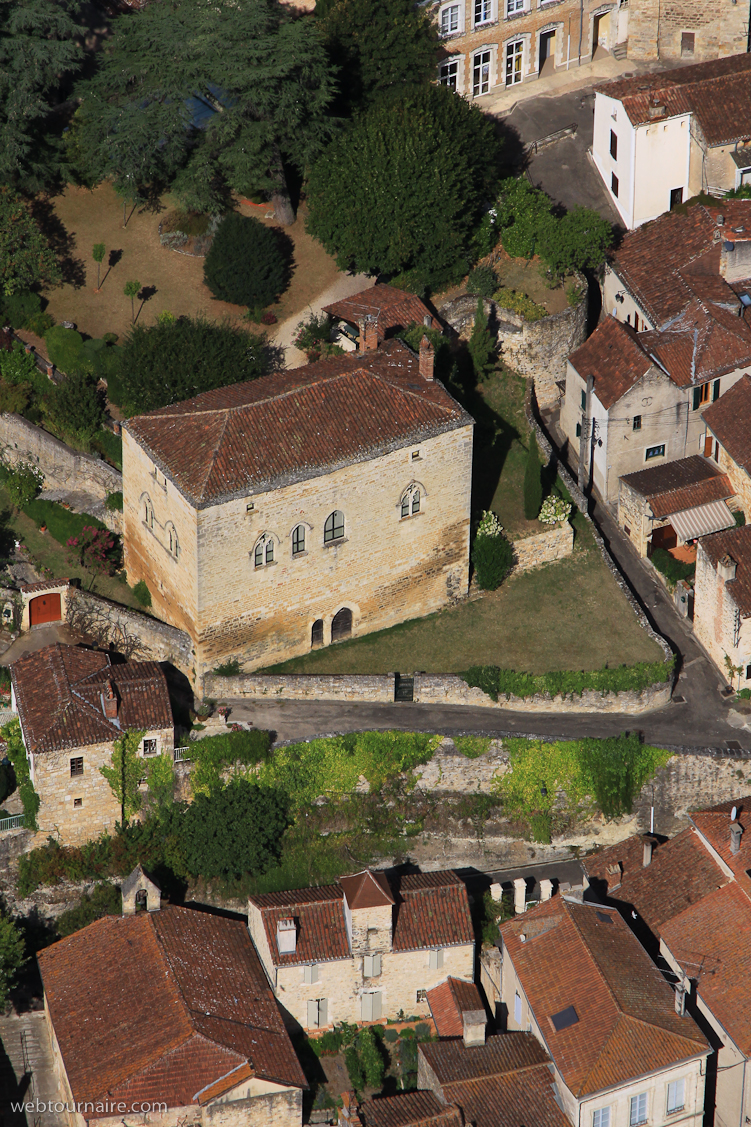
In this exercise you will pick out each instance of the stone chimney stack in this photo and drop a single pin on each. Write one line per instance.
(736, 832)
(109, 701)
(348, 1114)
(546, 889)
(473, 1027)
(369, 333)
(520, 896)
(726, 568)
(648, 846)
(427, 359)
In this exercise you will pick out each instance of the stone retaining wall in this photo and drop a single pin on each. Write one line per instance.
(136, 636)
(544, 547)
(63, 467)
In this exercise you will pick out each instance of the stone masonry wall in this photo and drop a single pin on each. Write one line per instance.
(63, 467)
(655, 28)
(544, 548)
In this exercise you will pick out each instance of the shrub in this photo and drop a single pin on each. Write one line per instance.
(390, 1036)
(16, 752)
(213, 755)
(481, 345)
(554, 509)
(523, 213)
(532, 480)
(236, 830)
(482, 281)
(110, 445)
(623, 678)
(104, 900)
(18, 308)
(246, 264)
(519, 303)
(671, 568)
(577, 241)
(618, 768)
(65, 348)
(98, 549)
(492, 553)
(190, 223)
(229, 668)
(113, 502)
(422, 1032)
(12, 957)
(7, 781)
(142, 593)
(76, 408)
(740, 518)
(61, 523)
(354, 1068)
(540, 825)
(370, 1058)
(24, 483)
(313, 332)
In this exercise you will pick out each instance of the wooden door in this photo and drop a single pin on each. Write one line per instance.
(45, 608)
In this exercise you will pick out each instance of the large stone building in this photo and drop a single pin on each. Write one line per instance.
(661, 138)
(362, 949)
(685, 29)
(165, 1017)
(271, 517)
(73, 704)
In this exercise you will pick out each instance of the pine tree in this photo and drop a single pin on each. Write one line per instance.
(25, 255)
(481, 343)
(533, 481)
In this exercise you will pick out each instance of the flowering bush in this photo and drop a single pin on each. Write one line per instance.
(554, 509)
(98, 549)
(489, 525)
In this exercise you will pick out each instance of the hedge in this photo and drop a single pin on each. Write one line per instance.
(497, 682)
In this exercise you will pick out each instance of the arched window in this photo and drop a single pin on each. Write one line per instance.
(174, 543)
(298, 540)
(316, 633)
(148, 513)
(333, 529)
(264, 551)
(411, 501)
(341, 625)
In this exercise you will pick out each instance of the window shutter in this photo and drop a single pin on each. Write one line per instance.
(517, 1009)
(439, 959)
(376, 1005)
(367, 966)
(707, 445)
(323, 1011)
(376, 965)
(715, 390)
(312, 1014)
(367, 1007)
(697, 398)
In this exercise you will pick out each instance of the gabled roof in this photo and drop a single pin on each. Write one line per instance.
(614, 357)
(291, 426)
(736, 543)
(714, 824)
(367, 890)
(432, 910)
(676, 486)
(717, 92)
(410, 1109)
(611, 1017)
(319, 916)
(452, 1061)
(161, 1006)
(394, 309)
(59, 693)
(704, 342)
(729, 419)
(449, 1002)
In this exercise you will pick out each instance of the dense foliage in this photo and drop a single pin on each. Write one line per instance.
(481, 344)
(578, 240)
(236, 830)
(26, 258)
(671, 568)
(622, 678)
(492, 553)
(104, 900)
(246, 264)
(532, 480)
(75, 408)
(214, 755)
(24, 482)
(12, 957)
(124, 773)
(166, 363)
(401, 189)
(16, 752)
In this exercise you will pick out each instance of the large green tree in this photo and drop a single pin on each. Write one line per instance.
(234, 831)
(211, 97)
(380, 45)
(12, 957)
(26, 258)
(402, 188)
(38, 53)
(162, 364)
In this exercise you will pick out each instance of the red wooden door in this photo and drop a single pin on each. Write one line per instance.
(45, 608)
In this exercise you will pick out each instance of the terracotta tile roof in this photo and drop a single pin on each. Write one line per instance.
(674, 258)
(453, 1061)
(59, 696)
(704, 342)
(729, 419)
(394, 309)
(710, 941)
(736, 543)
(614, 356)
(682, 872)
(680, 485)
(367, 890)
(714, 826)
(43, 585)
(295, 425)
(449, 1001)
(625, 1024)
(159, 1006)
(321, 929)
(410, 1109)
(432, 911)
(717, 92)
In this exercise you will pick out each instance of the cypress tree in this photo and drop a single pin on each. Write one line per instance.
(481, 343)
(533, 481)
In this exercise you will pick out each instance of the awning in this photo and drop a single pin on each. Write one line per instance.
(702, 520)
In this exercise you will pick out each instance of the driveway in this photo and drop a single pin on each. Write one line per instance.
(344, 286)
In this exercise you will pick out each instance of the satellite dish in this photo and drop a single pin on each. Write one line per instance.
(733, 813)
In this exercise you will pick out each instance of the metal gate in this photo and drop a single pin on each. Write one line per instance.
(404, 688)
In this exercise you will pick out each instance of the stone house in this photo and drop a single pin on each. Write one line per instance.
(275, 516)
(662, 138)
(689, 899)
(165, 1016)
(672, 504)
(728, 439)
(490, 46)
(623, 1052)
(73, 704)
(363, 949)
(684, 30)
(722, 602)
(366, 319)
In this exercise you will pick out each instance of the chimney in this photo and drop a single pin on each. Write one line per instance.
(369, 333)
(546, 889)
(680, 998)
(736, 832)
(427, 358)
(348, 1115)
(286, 937)
(656, 108)
(496, 890)
(726, 568)
(646, 857)
(427, 321)
(109, 702)
(473, 1022)
(520, 895)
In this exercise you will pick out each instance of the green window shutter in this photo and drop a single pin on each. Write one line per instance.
(697, 398)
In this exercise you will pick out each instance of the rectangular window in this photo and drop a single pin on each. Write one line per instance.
(483, 11)
(704, 393)
(654, 452)
(514, 55)
(707, 445)
(77, 802)
(517, 1009)
(583, 400)
(613, 145)
(688, 42)
(318, 1012)
(447, 76)
(450, 20)
(614, 185)
(76, 766)
(435, 960)
(676, 196)
(717, 452)
(149, 747)
(371, 966)
(636, 322)
(601, 1117)
(748, 672)
(715, 391)
(578, 430)
(421, 996)
(676, 1093)
(405, 505)
(481, 73)
(310, 975)
(514, 6)
(638, 1113)
(371, 1006)
(637, 422)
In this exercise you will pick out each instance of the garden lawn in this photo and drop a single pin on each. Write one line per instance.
(567, 615)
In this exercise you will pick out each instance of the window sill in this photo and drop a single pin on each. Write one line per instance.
(271, 563)
(411, 516)
(299, 555)
(450, 34)
(515, 15)
(482, 27)
(337, 542)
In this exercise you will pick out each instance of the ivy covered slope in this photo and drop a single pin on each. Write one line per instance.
(565, 682)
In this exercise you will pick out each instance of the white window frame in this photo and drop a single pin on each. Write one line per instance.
(637, 1110)
(518, 1008)
(151, 740)
(485, 6)
(477, 68)
(515, 7)
(676, 1090)
(601, 1117)
(448, 73)
(515, 48)
(444, 16)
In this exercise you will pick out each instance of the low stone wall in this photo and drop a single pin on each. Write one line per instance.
(136, 636)
(63, 468)
(553, 544)
(301, 686)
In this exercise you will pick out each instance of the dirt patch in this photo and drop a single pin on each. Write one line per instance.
(523, 275)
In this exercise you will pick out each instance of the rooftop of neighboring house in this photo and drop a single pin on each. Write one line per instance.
(171, 1005)
(428, 910)
(676, 258)
(503, 1083)
(409, 1109)
(294, 425)
(392, 308)
(449, 1002)
(613, 356)
(68, 697)
(735, 546)
(714, 826)
(611, 1018)
(676, 486)
(718, 93)
(729, 419)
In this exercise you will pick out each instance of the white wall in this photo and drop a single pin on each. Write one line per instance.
(610, 115)
(662, 163)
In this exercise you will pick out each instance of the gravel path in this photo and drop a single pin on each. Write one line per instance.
(344, 286)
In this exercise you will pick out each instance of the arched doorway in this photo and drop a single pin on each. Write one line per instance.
(316, 634)
(341, 625)
(45, 608)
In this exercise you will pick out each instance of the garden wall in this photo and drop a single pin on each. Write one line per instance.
(63, 467)
(136, 636)
(544, 547)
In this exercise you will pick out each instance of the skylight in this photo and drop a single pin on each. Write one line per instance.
(564, 1019)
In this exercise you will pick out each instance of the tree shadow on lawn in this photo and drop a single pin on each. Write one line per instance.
(61, 241)
(493, 438)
